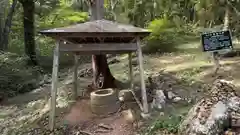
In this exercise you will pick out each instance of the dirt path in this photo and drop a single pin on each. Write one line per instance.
(17, 114)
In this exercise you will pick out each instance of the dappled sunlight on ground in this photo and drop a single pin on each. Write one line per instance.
(188, 72)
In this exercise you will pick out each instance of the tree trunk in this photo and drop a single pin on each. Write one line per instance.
(101, 69)
(99, 62)
(7, 28)
(28, 22)
(2, 16)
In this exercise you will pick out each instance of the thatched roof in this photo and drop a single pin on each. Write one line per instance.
(97, 28)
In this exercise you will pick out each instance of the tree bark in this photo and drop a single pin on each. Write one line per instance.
(226, 17)
(8, 23)
(28, 22)
(99, 62)
(101, 69)
(2, 16)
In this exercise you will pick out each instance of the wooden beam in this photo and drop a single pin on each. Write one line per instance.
(143, 86)
(95, 34)
(98, 47)
(75, 77)
(54, 86)
(102, 52)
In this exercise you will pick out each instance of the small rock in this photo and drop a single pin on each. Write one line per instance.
(121, 99)
(236, 123)
(140, 124)
(159, 100)
(128, 116)
(161, 113)
(177, 99)
(171, 95)
(189, 101)
(229, 133)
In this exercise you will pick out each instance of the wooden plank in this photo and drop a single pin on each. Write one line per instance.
(54, 87)
(102, 52)
(98, 47)
(75, 77)
(143, 86)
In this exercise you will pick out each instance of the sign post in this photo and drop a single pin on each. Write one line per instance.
(215, 56)
(215, 42)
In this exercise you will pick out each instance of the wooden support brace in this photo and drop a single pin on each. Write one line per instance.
(75, 77)
(130, 70)
(99, 47)
(143, 86)
(54, 87)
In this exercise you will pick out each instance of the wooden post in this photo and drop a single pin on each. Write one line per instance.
(130, 70)
(143, 86)
(54, 86)
(131, 82)
(216, 62)
(215, 54)
(75, 77)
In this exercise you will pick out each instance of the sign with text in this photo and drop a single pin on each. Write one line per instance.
(216, 41)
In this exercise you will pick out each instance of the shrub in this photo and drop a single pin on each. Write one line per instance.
(15, 76)
(162, 37)
(165, 35)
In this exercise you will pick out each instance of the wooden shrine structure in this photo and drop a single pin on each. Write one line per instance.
(96, 37)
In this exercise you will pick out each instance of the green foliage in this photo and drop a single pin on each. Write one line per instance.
(170, 124)
(162, 38)
(62, 17)
(49, 14)
(15, 76)
(167, 34)
(45, 46)
(170, 20)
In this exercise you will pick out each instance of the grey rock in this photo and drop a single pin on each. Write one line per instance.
(171, 95)
(159, 100)
(177, 99)
(210, 116)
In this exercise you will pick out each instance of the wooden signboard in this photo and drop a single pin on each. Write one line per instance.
(216, 41)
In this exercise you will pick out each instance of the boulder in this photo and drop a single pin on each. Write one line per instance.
(212, 114)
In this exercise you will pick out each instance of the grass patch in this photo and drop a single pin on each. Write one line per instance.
(168, 123)
(189, 75)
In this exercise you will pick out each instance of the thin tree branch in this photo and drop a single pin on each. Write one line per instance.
(234, 8)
